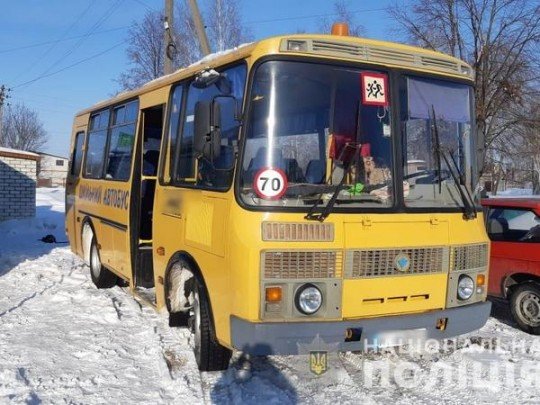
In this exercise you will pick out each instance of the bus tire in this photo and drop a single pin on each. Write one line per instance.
(210, 355)
(525, 307)
(101, 276)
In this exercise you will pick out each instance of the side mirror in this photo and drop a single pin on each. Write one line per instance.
(209, 116)
(207, 129)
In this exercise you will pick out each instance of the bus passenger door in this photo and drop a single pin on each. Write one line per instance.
(148, 154)
(72, 230)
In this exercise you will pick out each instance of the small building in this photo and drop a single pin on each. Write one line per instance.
(414, 166)
(52, 170)
(18, 174)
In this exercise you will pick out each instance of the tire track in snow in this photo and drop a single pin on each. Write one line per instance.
(22, 302)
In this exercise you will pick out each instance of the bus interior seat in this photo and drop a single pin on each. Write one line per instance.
(259, 161)
(150, 162)
(118, 166)
(218, 173)
(124, 166)
(315, 171)
(293, 171)
(148, 188)
(497, 227)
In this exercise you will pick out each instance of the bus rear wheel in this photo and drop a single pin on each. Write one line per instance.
(210, 355)
(101, 276)
(525, 307)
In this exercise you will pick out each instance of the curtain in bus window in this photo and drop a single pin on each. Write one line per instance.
(450, 100)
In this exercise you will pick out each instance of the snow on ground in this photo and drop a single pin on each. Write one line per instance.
(64, 341)
(516, 192)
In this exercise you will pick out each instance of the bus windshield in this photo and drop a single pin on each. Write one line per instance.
(310, 132)
(424, 104)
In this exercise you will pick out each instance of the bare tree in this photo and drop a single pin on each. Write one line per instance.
(225, 26)
(499, 38)
(187, 42)
(22, 129)
(342, 13)
(525, 142)
(145, 49)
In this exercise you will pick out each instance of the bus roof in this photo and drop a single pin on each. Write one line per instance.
(324, 46)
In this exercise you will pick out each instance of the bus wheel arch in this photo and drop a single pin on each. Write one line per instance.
(512, 281)
(184, 284)
(87, 235)
(102, 278)
(181, 269)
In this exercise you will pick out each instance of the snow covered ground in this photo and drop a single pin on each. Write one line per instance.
(64, 341)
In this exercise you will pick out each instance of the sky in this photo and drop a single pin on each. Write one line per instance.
(61, 56)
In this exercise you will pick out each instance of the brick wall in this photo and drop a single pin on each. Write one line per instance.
(17, 186)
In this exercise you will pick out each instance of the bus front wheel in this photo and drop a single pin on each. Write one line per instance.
(101, 276)
(210, 355)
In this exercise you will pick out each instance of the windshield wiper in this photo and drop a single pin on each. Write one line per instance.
(468, 202)
(311, 215)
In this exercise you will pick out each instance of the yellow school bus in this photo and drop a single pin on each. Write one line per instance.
(304, 188)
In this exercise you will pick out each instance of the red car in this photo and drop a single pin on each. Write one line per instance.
(513, 225)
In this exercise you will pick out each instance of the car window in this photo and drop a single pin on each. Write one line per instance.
(513, 225)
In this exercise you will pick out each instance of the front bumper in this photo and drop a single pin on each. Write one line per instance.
(301, 337)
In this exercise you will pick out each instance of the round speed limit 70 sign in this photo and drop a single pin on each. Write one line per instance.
(270, 183)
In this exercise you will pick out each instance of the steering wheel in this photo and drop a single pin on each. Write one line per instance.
(532, 236)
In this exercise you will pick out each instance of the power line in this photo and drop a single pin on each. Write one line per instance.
(305, 17)
(41, 105)
(47, 74)
(20, 48)
(146, 5)
(96, 25)
(70, 66)
(53, 45)
(38, 44)
(4, 94)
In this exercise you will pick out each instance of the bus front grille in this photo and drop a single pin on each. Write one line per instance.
(466, 257)
(297, 231)
(302, 264)
(372, 263)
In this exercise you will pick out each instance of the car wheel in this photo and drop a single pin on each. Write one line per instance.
(101, 276)
(210, 355)
(525, 307)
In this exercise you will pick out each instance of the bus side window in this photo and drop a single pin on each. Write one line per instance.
(171, 138)
(216, 174)
(96, 144)
(122, 136)
(76, 157)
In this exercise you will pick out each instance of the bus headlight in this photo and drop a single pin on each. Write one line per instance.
(465, 288)
(308, 299)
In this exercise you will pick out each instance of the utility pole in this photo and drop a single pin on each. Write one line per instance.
(3, 97)
(199, 26)
(168, 40)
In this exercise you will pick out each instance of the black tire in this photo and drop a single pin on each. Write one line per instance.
(525, 307)
(210, 355)
(101, 276)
